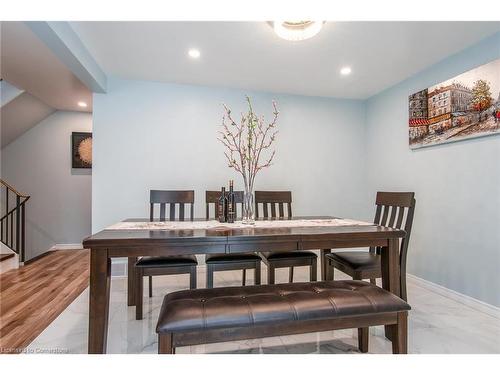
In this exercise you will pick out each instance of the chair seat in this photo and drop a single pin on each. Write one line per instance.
(357, 260)
(229, 258)
(173, 261)
(289, 255)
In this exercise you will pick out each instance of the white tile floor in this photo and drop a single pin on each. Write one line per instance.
(436, 325)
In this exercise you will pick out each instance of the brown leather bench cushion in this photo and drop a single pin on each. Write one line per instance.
(194, 310)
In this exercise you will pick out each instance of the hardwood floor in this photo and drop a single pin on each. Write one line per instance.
(32, 296)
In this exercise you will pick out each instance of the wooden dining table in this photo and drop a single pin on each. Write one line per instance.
(134, 243)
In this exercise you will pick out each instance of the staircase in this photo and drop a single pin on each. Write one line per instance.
(13, 221)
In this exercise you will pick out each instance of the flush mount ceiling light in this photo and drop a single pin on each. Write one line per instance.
(194, 53)
(82, 104)
(297, 30)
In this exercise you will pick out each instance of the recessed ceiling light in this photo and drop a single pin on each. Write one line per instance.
(82, 104)
(194, 53)
(345, 71)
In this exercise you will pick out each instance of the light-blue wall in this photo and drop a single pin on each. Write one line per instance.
(456, 237)
(151, 135)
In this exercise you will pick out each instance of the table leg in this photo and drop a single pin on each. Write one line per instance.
(100, 278)
(390, 273)
(131, 281)
(324, 263)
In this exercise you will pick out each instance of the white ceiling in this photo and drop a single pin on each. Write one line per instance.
(248, 54)
(20, 115)
(28, 64)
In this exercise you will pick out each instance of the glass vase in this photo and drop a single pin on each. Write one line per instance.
(248, 207)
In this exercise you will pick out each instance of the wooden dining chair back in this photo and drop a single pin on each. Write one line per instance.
(394, 210)
(172, 199)
(212, 198)
(229, 262)
(168, 200)
(273, 205)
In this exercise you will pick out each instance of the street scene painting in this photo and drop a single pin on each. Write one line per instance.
(463, 107)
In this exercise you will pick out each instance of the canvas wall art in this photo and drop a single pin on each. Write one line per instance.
(463, 107)
(81, 150)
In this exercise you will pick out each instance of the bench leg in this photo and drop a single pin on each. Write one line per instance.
(244, 277)
(165, 344)
(400, 334)
(139, 285)
(257, 273)
(363, 334)
(290, 275)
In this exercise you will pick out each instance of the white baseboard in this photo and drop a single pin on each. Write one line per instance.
(471, 302)
(66, 246)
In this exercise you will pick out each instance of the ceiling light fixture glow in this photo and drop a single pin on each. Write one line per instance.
(345, 71)
(82, 104)
(194, 53)
(297, 30)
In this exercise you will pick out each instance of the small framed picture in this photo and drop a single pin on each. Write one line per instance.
(81, 150)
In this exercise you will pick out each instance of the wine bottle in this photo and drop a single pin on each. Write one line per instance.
(222, 206)
(231, 206)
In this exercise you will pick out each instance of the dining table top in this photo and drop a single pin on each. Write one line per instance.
(126, 233)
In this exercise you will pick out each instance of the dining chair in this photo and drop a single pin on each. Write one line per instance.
(394, 210)
(165, 265)
(273, 205)
(227, 262)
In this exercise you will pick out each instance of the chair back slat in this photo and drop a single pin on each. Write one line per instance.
(401, 215)
(385, 213)
(281, 209)
(181, 211)
(273, 210)
(212, 198)
(170, 198)
(377, 215)
(272, 199)
(264, 209)
(392, 218)
(172, 211)
(162, 211)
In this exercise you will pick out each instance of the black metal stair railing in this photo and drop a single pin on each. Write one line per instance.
(13, 219)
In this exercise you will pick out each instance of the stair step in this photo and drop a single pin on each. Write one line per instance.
(6, 256)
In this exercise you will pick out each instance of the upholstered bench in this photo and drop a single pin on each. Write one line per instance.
(200, 316)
